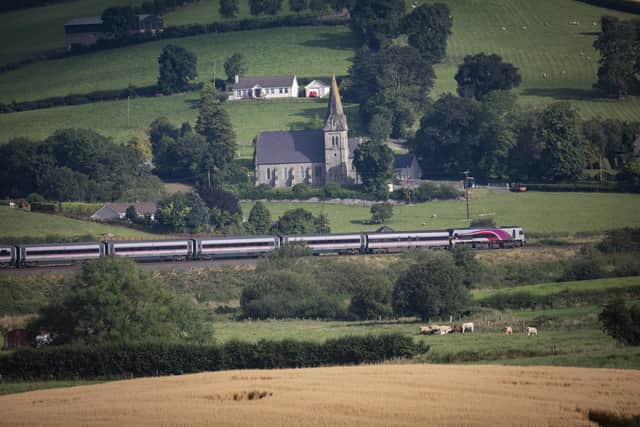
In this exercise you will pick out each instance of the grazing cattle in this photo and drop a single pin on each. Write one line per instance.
(425, 330)
(457, 328)
(508, 330)
(532, 331)
(444, 330)
(467, 326)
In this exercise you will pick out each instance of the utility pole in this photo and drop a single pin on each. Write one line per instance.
(128, 111)
(466, 190)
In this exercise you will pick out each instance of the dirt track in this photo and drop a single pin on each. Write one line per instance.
(368, 396)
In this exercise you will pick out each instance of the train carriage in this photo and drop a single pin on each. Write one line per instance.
(7, 256)
(402, 241)
(329, 243)
(220, 247)
(153, 250)
(488, 237)
(59, 253)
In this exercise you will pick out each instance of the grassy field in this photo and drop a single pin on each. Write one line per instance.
(206, 11)
(22, 224)
(535, 211)
(544, 289)
(110, 118)
(543, 36)
(304, 51)
(21, 387)
(30, 31)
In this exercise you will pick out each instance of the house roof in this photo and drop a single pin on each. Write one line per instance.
(117, 210)
(317, 83)
(298, 146)
(264, 81)
(403, 161)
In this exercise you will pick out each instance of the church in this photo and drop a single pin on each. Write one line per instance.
(313, 157)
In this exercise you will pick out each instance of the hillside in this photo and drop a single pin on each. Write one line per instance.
(384, 395)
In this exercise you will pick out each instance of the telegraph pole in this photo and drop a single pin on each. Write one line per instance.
(466, 190)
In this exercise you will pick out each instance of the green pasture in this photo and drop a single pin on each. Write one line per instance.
(538, 212)
(27, 32)
(113, 119)
(21, 387)
(545, 289)
(543, 37)
(303, 51)
(23, 224)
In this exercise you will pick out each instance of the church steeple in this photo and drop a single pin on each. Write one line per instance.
(336, 120)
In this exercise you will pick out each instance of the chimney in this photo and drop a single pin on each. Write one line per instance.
(237, 78)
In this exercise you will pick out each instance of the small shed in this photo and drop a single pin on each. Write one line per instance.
(406, 167)
(316, 89)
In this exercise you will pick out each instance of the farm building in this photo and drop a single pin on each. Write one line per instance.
(264, 87)
(316, 89)
(312, 157)
(88, 30)
(406, 167)
(117, 211)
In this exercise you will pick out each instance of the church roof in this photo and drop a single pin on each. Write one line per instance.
(298, 146)
(336, 120)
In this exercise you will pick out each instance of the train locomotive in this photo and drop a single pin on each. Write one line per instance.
(208, 248)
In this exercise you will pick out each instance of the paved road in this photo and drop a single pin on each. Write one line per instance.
(148, 266)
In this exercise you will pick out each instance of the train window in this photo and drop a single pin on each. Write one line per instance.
(150, 248)
(521, 233)
(5, 252)
(44, 251)
(220, 245)
(514, 233)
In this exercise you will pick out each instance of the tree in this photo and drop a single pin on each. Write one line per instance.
(381, 212)
(131, 214)
(372, 297)
(481, 73)
(259, 218)
(621, 322)
(432, 287)
(267, 7)
(183, 213)
(297, 6)
(235, 65)
(228, 8)
(177, 68)
(374, 163)
(448, 137)
(563, 155)
(428, 28)
(111, 300)
(224, 207)
(214, 124)
(318, 5)
(119, 20)
(142, 145)
(619, 46)
(300, 221)
(378, 21)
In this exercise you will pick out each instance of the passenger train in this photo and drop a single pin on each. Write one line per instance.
(208, 248)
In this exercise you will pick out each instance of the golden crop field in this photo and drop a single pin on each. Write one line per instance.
(378, 395)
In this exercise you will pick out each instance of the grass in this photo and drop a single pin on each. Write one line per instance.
(21, 387)
(535, 211)
(110, 118)
(30, 31)
(304, 51)
(545, 289)
(544, 36)
(22, 224)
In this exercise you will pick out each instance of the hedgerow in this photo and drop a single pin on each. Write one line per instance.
(150, 359)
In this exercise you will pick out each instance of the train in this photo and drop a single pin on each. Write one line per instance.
(209, 248)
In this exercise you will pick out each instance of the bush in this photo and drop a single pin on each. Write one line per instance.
(44, 207)
(623, 240)
(586, 265)
(149, 359)
(483, 222)
(621, 322)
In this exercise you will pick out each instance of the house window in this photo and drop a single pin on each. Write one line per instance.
(286, 90)
(281, 90)
(268, 173)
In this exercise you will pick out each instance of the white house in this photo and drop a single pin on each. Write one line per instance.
(116, 211)
(264, 87)
(316, 89)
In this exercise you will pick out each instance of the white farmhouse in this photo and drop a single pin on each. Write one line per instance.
(264, 87)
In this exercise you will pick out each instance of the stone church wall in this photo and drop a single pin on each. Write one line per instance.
(290, 174)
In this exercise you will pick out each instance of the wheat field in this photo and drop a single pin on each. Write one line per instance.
(379, 395)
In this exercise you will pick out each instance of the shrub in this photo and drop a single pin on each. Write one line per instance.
(483, 222)
(148, 359)
(623, 240)
(621, 322)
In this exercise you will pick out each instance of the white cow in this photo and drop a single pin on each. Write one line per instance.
(509, 330)
(468, 325)
(532, 331)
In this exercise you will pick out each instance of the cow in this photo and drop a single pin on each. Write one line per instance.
(425, 330)
(468, 325)
(444, 330)
(532, 331)
(508, 330)
(457, 328)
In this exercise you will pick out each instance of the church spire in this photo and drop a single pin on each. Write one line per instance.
(336, 119)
